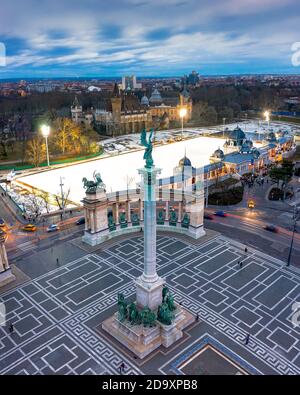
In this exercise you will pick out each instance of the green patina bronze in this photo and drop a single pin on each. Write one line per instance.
(123, 220)
(164, 315)
(111, 223)
(135, 220)
(93, 186)
(149, 147)
(160, 218)
(148, 317)
(173, 218)
(185, 221)
(122, 305)
(134, 317)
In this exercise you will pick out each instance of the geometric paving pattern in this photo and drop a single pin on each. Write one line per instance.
(56, 314)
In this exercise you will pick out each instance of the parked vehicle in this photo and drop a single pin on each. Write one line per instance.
(29, 228)
(52, 228)
(220, 213)
(80, 221)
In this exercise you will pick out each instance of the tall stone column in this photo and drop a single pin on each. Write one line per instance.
(141, 207)
(6, 275)
(149, 285)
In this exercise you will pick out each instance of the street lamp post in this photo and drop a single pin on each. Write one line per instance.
(267, 117)
(46, 133)
(292, 242)
(182, 114)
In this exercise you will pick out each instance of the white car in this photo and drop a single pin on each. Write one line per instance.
(52, 228)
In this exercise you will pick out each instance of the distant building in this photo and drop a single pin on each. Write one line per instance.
(129, 84)
(123, 113)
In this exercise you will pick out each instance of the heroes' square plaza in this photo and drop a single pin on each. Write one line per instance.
(57, 316)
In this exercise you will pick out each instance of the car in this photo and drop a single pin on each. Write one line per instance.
(251, 204)
(29, 228)
(271, 228)
(80, 221)
(2, 223)
(208, 216)
(52, 228)
(220, 213)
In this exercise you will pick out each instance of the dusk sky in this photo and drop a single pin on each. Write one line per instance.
(57, 38)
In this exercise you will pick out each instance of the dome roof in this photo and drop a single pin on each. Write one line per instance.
(255, 152)
(237, 134)
(218, 154)
(156, 97)
(145, 101)
(271, 137)
(247, 146)
(185, 161)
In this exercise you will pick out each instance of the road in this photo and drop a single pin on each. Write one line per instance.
(249, 230)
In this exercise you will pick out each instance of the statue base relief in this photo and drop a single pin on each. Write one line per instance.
(6, 277)
(143, 341)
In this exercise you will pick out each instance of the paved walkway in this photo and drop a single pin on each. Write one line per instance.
(57, 315)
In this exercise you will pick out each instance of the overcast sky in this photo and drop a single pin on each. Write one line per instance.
(56, 38)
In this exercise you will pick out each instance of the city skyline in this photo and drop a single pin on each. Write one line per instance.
(136, 37)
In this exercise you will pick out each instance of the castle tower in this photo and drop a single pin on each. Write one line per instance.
(116, 103)
(76, 111)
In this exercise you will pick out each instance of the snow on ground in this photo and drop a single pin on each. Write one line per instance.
(118, 171)
(119, 165)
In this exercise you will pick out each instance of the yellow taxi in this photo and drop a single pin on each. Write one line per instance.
(251, 204)
(29, 228)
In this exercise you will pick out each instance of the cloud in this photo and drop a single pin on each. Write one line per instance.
(161, 34)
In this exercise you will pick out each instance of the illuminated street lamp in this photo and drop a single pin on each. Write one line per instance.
(267, 117)
(46, 132)
(182, 114)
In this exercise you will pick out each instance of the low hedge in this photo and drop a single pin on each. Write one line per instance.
(227, 198)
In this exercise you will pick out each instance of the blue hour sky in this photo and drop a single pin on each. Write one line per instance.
(76, 38)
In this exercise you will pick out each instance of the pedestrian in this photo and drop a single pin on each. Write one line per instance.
(247, 339)
(57, 261)
(141, 230)
(11, 328)
(241, 264)
(246, 250)
(197, 317)
(122, 368)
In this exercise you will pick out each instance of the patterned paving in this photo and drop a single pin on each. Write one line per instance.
(55, 315)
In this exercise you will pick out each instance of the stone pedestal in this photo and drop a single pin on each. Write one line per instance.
(96, 222)
(143, 341)
(149, 294)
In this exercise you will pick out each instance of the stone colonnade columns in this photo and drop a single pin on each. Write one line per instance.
(167, 211)
(179, 211)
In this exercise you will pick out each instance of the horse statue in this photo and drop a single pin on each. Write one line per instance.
(95, 185)
(149, 147)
